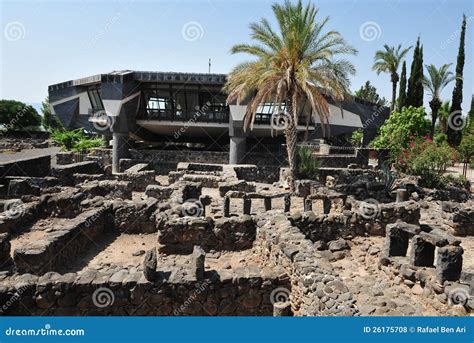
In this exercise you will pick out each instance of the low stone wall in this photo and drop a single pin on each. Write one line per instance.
(165, 161)
(328, 227)
(240, 292)
(178, 235)
(135, 216)
(54, 250)
(315, 287)
(37, 166)
(65, 173)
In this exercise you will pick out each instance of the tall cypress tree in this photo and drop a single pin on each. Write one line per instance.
(414, 95)
(402, 94)
(471, 111)
(454, 136)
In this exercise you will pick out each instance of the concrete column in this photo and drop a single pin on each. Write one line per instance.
(119, 149)
(238, 148)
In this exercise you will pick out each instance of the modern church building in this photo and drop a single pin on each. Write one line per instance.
(185, 107)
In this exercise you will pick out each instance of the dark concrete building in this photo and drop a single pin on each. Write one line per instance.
(184, 107)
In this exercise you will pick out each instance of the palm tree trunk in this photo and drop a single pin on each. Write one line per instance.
(435, 104)
(394, 95)
(291, 139)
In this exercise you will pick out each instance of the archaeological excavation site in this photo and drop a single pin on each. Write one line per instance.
(217, 239)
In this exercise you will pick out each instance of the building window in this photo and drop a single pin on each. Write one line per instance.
(96, 100)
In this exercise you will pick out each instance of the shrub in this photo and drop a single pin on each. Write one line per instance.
(356, 138)
(75, 140)
(426, 159)
(307, 165)
(400, 128)
(16, 115)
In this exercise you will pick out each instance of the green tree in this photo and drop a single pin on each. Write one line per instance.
(454, 136)
(466, 147)
(402, 93)
(387, 61)
(16, 115)
(400, 128)
(471, 111)
(415, 82)
(443, 116)
(369, 93)
(298, 60)
(50, 121)
(434, 84)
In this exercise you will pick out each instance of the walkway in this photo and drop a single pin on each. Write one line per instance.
(26, 154)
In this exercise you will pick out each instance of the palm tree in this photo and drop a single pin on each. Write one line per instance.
(294, 62)
(443, 115)
(387, 61)
(438, 79)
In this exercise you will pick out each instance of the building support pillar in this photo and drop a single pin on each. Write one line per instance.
(119, 150)
(238, 148)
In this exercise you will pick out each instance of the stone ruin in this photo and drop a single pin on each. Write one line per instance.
(210, 239)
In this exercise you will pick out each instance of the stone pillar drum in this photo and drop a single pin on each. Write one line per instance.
(119, 149)
(237, 150)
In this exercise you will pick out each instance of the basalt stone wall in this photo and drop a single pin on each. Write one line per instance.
(164, 161)
(58, 248)
(327, 227)
(180, 234)
(38, 166)
(65, 173)
(126, 292)
(316, 288)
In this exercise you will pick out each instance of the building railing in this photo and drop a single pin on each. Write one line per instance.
(185, 116)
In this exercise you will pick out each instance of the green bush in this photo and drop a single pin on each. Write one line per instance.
(16, 115)
(356, 138)
(306, 164)
(426, 159)
(75, 140)
(400, 128)
(454, 180)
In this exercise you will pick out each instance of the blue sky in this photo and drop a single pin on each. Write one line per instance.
(46, 42)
